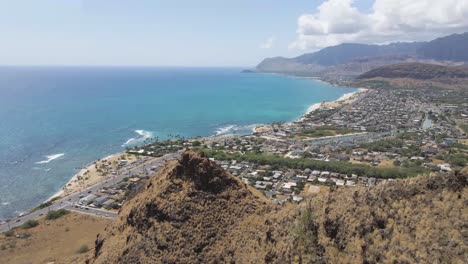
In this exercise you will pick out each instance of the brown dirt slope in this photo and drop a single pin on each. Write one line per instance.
(52, 241)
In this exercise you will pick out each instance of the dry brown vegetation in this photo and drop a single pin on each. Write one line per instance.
(415, 75)
(419, 220)
(55, 241)
(194, 212)
(420, 71)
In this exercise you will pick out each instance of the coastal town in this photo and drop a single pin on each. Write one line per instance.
(367, 138)
(141, 132)
(372, 137)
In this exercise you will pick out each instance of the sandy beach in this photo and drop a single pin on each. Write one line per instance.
(344, 99)
(95, 172)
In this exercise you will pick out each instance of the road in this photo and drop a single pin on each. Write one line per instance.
(69, 201)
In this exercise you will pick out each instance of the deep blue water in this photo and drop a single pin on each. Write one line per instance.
(86, 113)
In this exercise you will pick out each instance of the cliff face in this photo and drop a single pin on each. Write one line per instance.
(194, 212)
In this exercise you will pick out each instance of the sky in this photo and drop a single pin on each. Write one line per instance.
(209, 32)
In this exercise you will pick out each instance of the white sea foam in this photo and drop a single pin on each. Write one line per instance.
(232, 129)
(5, 203)
(142, 136)
(51, 158)
(224, 130)
(313, 107)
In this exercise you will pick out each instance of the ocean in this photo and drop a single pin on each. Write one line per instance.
(55, 120)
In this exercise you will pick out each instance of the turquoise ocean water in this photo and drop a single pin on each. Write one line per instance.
(55, 120)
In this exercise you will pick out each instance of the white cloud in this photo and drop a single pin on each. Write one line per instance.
(338, 21)
(268, 43)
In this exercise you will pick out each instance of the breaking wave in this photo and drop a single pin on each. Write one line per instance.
(51, 158)
(142, 136)
(235, 129)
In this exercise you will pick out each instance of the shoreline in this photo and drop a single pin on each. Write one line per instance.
(314, 107)
(343, 99)
(74, 178)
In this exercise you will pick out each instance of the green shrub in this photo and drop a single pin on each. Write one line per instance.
(52, 215)
(30, 224)
(9, 233)
(83, 249)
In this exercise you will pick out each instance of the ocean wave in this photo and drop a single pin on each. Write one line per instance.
(41, 169)
(142, 136)
(51, 158)
(235, 129)
(5, 203)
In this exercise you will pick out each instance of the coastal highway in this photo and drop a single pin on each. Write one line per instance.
(68, 202)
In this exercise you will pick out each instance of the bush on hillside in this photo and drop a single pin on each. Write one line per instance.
(52, 215)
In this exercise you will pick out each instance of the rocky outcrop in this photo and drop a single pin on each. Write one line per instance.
(194, 212)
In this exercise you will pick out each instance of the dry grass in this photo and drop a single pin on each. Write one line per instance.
(386, 164)
(53, 241)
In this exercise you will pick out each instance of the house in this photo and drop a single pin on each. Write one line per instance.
(260, 187)
(312, 178)
(445, 167)
(289, 185)
(322, 179)
(99, 201)
(88, 199)
(108, 203)
(350, 183)
(297, 199)
(340, 182)
(277, 174)
(316, 173)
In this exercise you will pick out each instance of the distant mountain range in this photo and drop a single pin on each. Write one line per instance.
(351, 59)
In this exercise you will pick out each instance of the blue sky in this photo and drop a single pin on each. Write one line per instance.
(154, 32)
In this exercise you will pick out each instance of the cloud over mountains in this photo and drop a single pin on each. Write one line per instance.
(339, 21)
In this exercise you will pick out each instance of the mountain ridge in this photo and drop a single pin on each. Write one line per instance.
(321, 63)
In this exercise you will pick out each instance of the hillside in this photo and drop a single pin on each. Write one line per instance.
(52, 241)
(194, 212)
(419, 220)
(351, 59)
(420, 71)
(415, 75)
